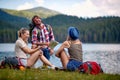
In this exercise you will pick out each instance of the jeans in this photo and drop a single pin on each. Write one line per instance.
(73, 65)
(46, 53)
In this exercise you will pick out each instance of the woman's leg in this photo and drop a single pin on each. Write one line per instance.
(38, 55)
(64, 59)
(45, 61)
(33, 58)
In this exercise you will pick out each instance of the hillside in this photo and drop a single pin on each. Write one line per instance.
(9, 24)
(29, 13)
(92, 30)
(13, 20)
(43, 12)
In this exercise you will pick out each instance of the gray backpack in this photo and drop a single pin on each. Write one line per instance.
(11, 62)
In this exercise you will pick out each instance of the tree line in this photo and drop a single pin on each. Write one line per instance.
(92, 30)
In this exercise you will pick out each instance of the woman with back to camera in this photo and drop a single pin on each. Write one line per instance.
(21, 50)
(74, 45)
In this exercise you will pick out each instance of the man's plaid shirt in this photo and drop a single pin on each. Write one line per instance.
(44, 35)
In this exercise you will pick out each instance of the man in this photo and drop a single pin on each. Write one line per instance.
(42, 35)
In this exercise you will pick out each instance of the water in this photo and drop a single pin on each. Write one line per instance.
(108, 55)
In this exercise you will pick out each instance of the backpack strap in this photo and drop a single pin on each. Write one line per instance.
(89, 66)
(31, 27)
(19, 62)
(38, 34)
(48, 27)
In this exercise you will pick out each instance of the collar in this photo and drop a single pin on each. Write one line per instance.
(41, 26)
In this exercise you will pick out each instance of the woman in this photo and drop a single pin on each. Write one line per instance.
(21, 50)
(74, 45)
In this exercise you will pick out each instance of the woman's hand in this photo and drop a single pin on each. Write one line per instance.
(66, 44)
(39, 47)
(33, 46)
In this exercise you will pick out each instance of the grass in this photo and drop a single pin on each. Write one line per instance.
(37, 74)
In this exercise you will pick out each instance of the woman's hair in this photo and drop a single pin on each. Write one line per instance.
(22, 31)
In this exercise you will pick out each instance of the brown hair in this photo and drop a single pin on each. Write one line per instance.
(22, 31)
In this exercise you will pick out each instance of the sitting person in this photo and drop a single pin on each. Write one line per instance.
(74, 59)
(42, 35)
(21, 50)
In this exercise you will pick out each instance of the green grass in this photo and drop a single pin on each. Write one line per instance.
(37, 74)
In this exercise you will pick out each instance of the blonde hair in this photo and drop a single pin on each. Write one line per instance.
(22, 31)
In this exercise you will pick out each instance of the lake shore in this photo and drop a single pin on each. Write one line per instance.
(108, 55)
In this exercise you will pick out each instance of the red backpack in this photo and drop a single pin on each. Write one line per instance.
(90, 67)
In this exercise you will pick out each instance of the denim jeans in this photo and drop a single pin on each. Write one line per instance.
(46, 53)
(73, 64)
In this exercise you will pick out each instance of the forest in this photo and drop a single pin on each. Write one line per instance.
(104, 29)
(92, 30)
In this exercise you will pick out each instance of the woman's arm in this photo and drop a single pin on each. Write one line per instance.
(41, 44)
(30, 51)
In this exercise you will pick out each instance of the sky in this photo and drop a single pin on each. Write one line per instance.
(80, 8)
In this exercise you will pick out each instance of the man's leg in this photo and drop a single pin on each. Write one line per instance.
(46, 53)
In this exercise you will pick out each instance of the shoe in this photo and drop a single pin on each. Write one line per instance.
(59, 69)
(53, 67)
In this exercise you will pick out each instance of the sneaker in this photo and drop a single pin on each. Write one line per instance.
(59, 69)
(53, 67)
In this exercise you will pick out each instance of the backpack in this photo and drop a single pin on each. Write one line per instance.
(90, 67)
(31, 27)
(11, 62)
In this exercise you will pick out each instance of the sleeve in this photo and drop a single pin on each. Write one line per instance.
(20, 44)
(34, 36)
(51, 35)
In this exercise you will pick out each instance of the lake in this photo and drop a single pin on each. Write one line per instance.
(108, 55)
